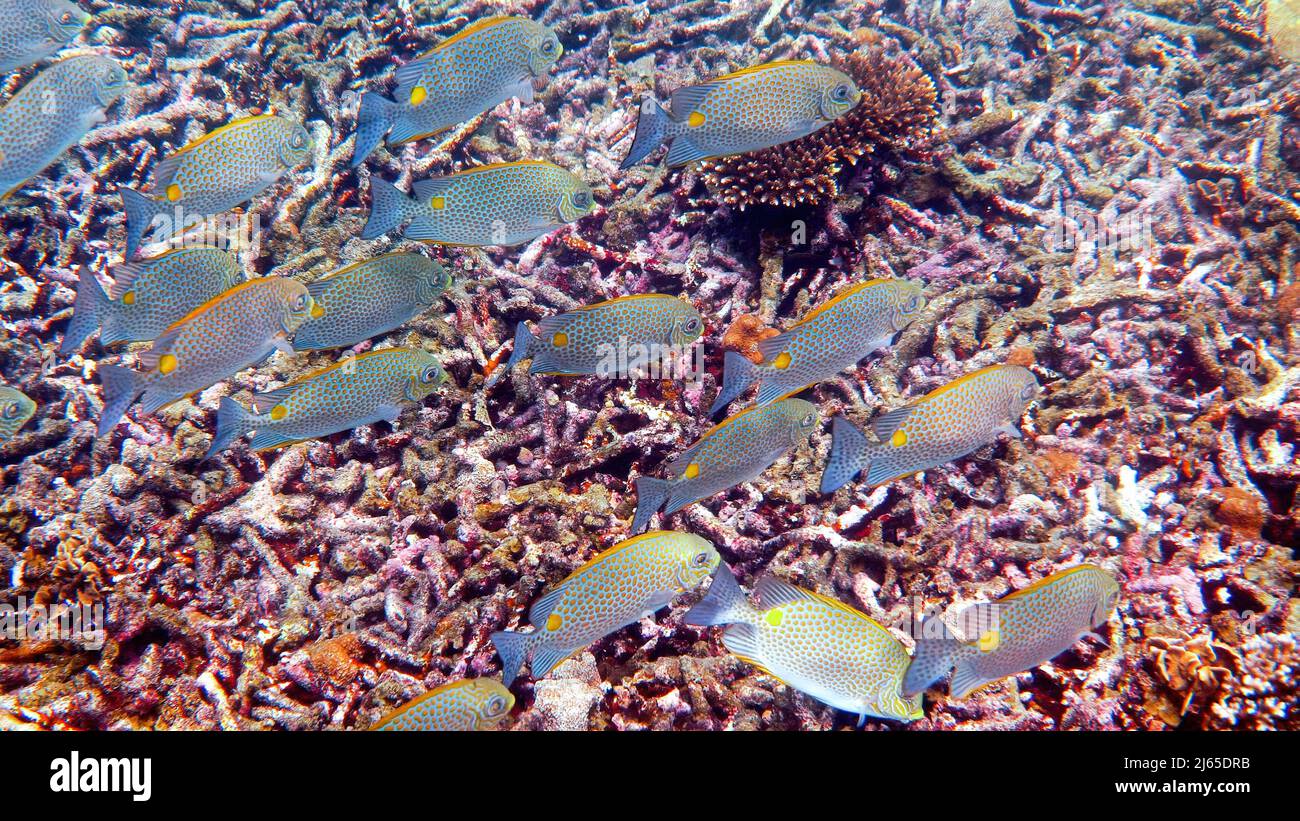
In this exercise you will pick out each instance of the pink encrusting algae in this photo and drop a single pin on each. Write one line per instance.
(1103, 192)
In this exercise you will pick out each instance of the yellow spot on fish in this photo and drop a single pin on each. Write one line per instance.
(696, 119)
(317, 310)
(167, 363)
(553, 623)
(438, 203)
(279, 412)
(898, 439)
(782, 361)
(173, 192)
(692, 470)
(418, 94)
(560, 340)
(989, 641)
(774, 617)
(128, 298)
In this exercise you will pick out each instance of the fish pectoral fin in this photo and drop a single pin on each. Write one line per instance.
(689, 99)
(263, 402)
(1010, 429)
(523, 89)
(887, 423)
(388, 412)
(281, 343)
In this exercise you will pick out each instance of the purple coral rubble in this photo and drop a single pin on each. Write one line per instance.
(320, 586)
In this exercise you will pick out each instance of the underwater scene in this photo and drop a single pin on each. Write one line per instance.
(580, 365)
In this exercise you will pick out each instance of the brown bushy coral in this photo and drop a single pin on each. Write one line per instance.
(897, 112)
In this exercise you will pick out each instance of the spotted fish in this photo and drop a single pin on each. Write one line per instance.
(945, 424)
(832, 337)
(31, 30)
(1016, 633)
(53, 112)
(468, 704)
(219, 338)
(588, 340)
(736, 450)
(15, 410)
(149, 295)
(500, 204)
(747, 110)
(482, 65)
(371, 298)
(215, 173)
(813, 643)
(355, 391)
(621, 586)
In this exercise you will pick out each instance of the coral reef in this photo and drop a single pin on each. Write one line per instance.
(1109, 193)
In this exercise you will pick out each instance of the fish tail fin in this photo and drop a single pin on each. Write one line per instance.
(651, 130)
(121, 387)
(738, 373)
(935, 656)
(850, 455)
(725, 603)
(91, 308)
(512, 646)
(651, 494)
(522, 350)
(388, 207)
(233, 421)
(140, 211)
(374, 119)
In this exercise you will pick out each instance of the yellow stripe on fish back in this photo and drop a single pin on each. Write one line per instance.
(628, 298)
(617, 549)
(478, 169)
(1043, 582)
(213, 134)
(839, 605)
(214, 300)
(471, 29)
(837, 299)
(956, 383)
(345, 361)
(763, 67)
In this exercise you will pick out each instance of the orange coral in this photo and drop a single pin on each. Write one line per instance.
(897, 113)
(744, 335)
(336, 658)
(1191, 667)
(1240, 510)
(1022, 356)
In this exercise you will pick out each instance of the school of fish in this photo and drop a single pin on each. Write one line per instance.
(205, 321)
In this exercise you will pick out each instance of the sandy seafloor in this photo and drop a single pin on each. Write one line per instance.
(319, 586)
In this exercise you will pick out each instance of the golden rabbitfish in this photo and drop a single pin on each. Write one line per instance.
(747, 110)
(583, 341)
(219, 338)
(15, 409)
(31, 30)
(53, 112)
(813, 643)
(500, 204)
(945, 424)
(1016, 633)
(482, 65)
(468, 704)
(735, 450)
(355, 391)
(834, 336)
(370, 298)
(618, 587)
(213, 174)
(148, 295)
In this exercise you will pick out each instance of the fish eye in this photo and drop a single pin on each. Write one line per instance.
(914, 303)
(300, 302)
(581, 199)
(691, 325)
(430, 375)
(497, 705)
(11, 410)
(701, 559)
(809, 419)
(548, 46)
(1028, 391)
(841, 93)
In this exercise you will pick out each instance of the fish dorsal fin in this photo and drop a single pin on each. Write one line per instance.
(887, 423)
(772, 592)
(837, 299)
(1046, 580)
(689, 98)
(742, 72)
